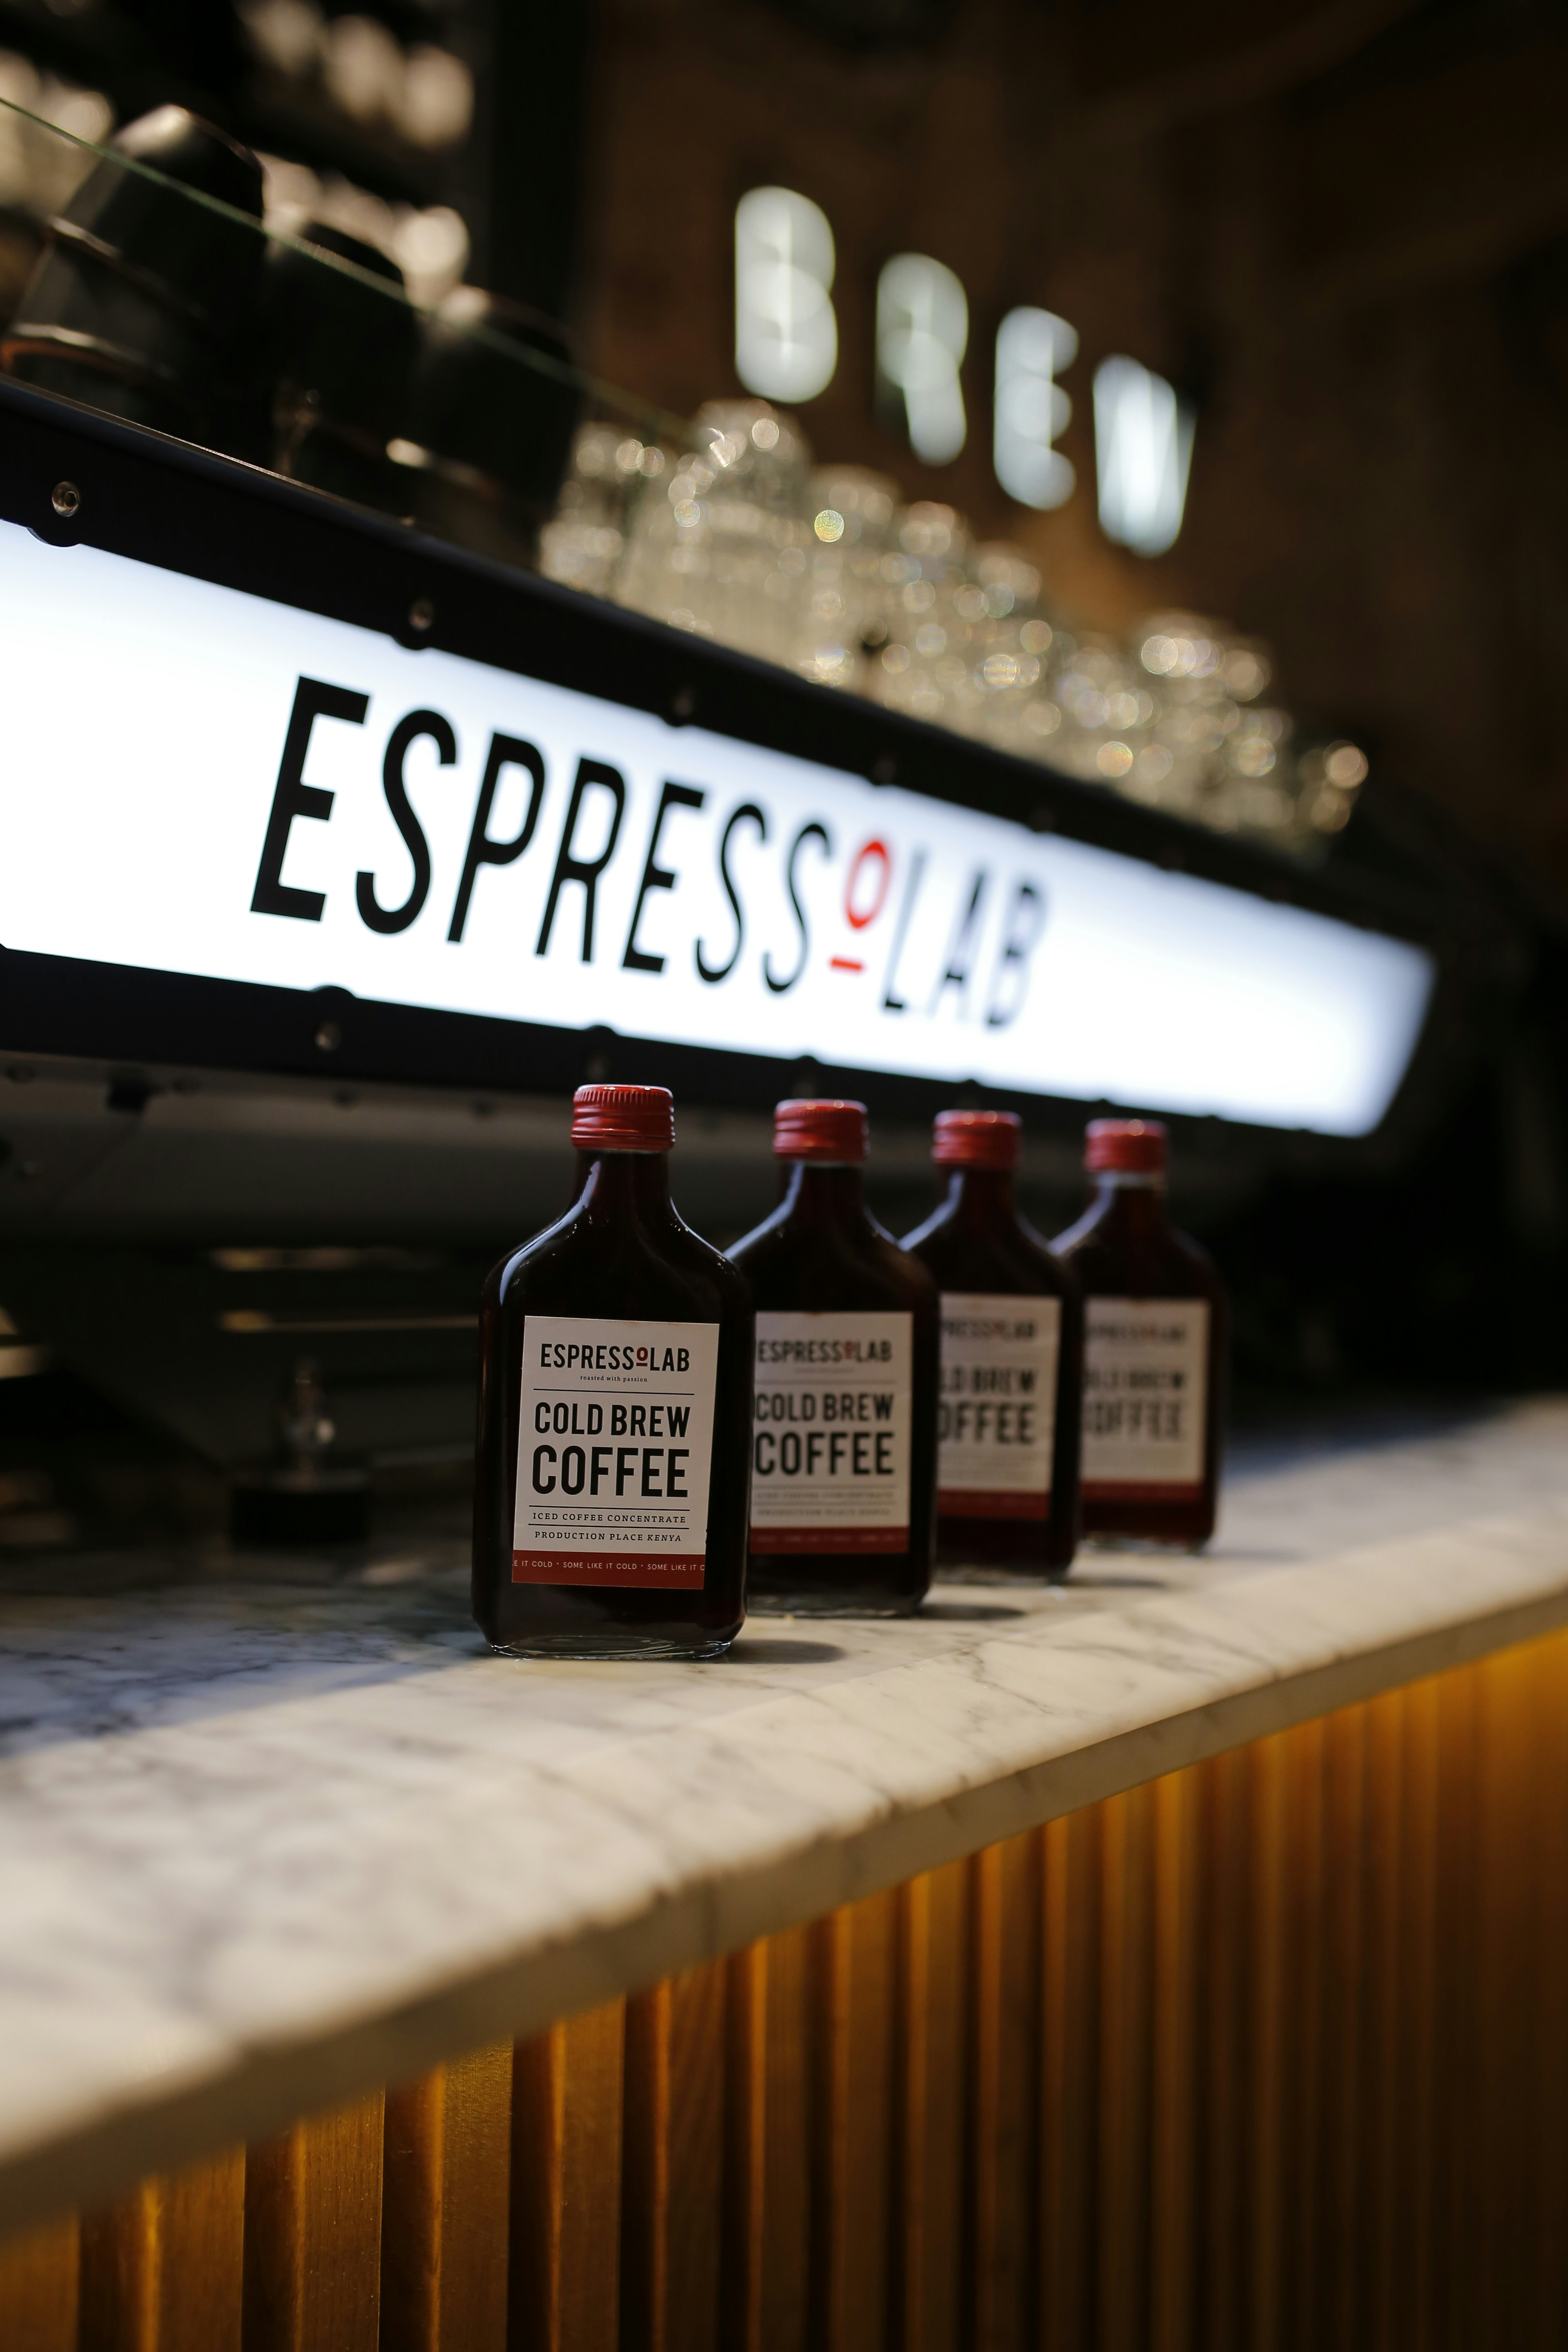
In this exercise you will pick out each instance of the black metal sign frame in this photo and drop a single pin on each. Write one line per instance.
(160, 501)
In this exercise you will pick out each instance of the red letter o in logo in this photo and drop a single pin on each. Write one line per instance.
(857, 916)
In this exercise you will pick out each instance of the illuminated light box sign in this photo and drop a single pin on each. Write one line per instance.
(202, 781)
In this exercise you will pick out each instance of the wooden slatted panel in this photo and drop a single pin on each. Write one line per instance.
(1461, 1879)
(1506, 2142)
(768, 2113)
(1069, 1976)
(673, 2165)
(1548, 2260)
(741, 2272)
(930, 2051)
(1222, 2277)
(1173, 2123)
(566, 2185)
(312, 2235)
(1264, 2128)
(1548, 1766)
(1270, 2054)
(1416, 2042)
(853, 2168)
(445, 2208)
(1342, 2155)
(1378, 2283)
(38, 2288)
(1127, 1928)
(1005, 1897)
(1300, 2322)
(162, 2269)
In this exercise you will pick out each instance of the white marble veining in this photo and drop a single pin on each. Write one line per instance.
(268, 1838)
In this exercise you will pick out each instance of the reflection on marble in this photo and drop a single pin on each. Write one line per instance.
(269, 1837)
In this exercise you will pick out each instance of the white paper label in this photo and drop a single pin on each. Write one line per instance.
(996, 1422)
(1146, 1396)
(830, 1455)
(614, 1440)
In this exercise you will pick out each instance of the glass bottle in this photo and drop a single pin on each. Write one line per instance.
(1011, 1349)
(1156, 1340)
(844, 1452)
(614, 1415)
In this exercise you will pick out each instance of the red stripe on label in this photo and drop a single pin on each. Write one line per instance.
(989, 1503)
(1139, 1490)
(830, 1539)
(680, 1570)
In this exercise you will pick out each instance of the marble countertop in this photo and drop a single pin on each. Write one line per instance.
(271, 1835)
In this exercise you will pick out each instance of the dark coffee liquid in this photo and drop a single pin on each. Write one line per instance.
(979, 1247)
(1155, 1382)
(825, 1439)
(622, 1256)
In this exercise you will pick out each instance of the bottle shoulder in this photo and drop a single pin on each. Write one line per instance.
(1164, 1262)
(692, 1252)
(539, 1248)
(619, 1270)
(902, 1268)
(1004, 1256)
(821, 1268)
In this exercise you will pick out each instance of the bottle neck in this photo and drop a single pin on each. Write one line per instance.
(624, 1185)
(1128, 1205)
(823, 1193)
(981, 1196)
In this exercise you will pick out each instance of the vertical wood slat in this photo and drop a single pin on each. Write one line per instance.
(40, 2287)
(564, 2285)
(1300, 2327)
(1174, 2117)
(1415, 2039)
(673, 2162)
(1266, 2128)
(1378, 2285)
(745, 2148)
(445, 2208)
(1549, 1760)
(1127, 1916)
(1222, 2315)
(1069, 1978)
(162, 2269)
(853, 1990)
(768, 2109)
(312, 2234)
(785, 2269)
(932, 2002)
(1463, 1878)
(1504, 2119)
(1341, 2154)
(1005, 1993)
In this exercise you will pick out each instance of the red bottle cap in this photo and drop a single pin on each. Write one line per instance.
(1134, 1147)
(978, 1139)
(819, 1131)
(623, 1118)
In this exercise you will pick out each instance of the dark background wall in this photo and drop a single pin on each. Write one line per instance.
(1342, 225)
(1344, 228)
